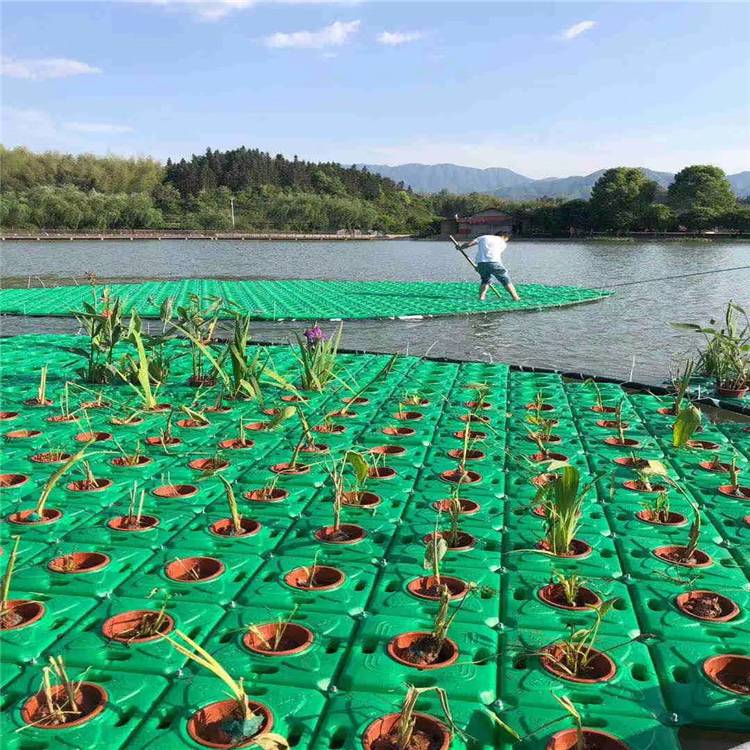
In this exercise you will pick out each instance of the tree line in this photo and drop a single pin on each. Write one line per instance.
(53, 191)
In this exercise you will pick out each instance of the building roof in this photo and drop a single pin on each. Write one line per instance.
(488, 216)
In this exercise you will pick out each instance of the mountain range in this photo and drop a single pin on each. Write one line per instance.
(505, 183)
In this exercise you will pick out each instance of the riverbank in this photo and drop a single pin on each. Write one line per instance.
(187, 234)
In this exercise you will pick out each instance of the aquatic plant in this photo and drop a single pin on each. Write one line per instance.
(687, 422)
(316, 355)
(7, 578)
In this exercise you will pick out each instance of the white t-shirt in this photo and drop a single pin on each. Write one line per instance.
(490, 248)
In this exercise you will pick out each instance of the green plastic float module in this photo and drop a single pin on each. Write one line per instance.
(301, 299)
(129, 699)
(296, 712)
(469, 674)
(114, 636)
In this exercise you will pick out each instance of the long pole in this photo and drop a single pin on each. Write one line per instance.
(471, 262)
(231, 203)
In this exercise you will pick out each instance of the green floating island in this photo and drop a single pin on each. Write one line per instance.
(304, 299)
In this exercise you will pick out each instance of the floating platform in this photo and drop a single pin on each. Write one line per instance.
(304, 299)
(329, 693)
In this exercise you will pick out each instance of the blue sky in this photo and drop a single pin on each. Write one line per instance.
(543, 88)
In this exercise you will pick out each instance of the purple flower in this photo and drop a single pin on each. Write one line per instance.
(314, 336)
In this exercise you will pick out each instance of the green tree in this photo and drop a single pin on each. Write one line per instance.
(620, 197)
(736, 218)
(659, 218)
(701, 186)
(699, 218)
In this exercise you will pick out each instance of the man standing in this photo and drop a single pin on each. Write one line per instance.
(489, 260)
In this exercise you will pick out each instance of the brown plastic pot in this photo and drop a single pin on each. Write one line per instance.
(473, 435)
(361, 499)
(219, 409)
(292, 399)
(667, 411)
(705, 445)
(119, 627)
(25, 517)
(344, 414)
(689, 601)
(257, 426)
(158, 440)
(6, 416)
(456, 476)
(176, 490)
(382, 472)
(9, 481)
(62, 419)
(672, 519)
(122, 523)
(399, 431)
(159, 408)
(400, 649)
(95, 437)
(542, 480)
(208, 464)
(126, 462)
(554, 439)
(737, 491)
(324, 578)
(22, 434)
(193, 424)
(578, 549)
(194, 569)
(356, 400)
(630, 462)
(35, 403)
(624, 443)
(547, 456)
(225, 527)
(79, 563)
(388, 450)
(635, 485)
(554, 595)
(601, 668)
(275, 495)
(593, 739)
(348, 533)
(535, 407)
(478, 404)
(91, 700)
(463, 540)
(426, 587)
(287, 469)
(717, 467)
(98, 484)
(466, 507)
(612, 424)
(50, 457)
(329, 429)
(126, 421)
(205, 381)
(471, 455)
(294, 639)
(315, 448)
(732, 392)
(20, 613)
(604, 409)
(429, 732)
(698, 560)
(408, 416)
(206, 726)
(730, 672)
(235, 444)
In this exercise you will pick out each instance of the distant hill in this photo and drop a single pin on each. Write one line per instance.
(505, 183)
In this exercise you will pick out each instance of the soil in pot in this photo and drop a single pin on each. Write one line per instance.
(329, 429)
(729, 671)
(22, 434)
(35, 403)
(162, 440)
(382, 472)
(473, 435)
(20, 613)
(399, 431)
(593, 739)
(408, 416)
(266, 495)
(79, 562)
(315, 578)
(193, 424)
(577, 549)
(202, 382)
(6, 416)
(459, 541)
(90, 701)
(62, 419)
(612, 424)
(736, 491)
(138, 626)
(427, 587)
(176, 490)
(661, 519)
(287, 468)
(707, 605)
(95, 437)
(132, 523)
(428, 734)
(315, 448)
(636, 485)
(732, 392)
(705, 445)
(554, 595)
(599, 667)
(677, 555)
(208, 464)
(220, 724)
(604, 409)
(9, 481)
(50, 457)
(89, 485)
(548, 456)
(194, 569)
(456, 476)
(278, 639)
(718, 467)
(536, 407)
(630, 462)
(225, 527)
(542, 480)
(465, 507)
(622, 443)
(360, 499)
(347, 533)
(422, 650)
(471, 455)
(32, 518)
(388, 450)
(235, 444)
(130, 462)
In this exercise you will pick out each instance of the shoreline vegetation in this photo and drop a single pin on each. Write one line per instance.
(255, 195)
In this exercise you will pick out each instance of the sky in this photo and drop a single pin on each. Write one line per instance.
(545, 89)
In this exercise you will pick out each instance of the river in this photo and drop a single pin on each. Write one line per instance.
(627, 335)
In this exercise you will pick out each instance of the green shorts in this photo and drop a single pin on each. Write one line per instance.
(488, 270)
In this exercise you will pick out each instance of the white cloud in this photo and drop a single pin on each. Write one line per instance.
(577, 29)
(395, 38)
(329, 36)
(44, 68)
(97, 128)
(215, 10)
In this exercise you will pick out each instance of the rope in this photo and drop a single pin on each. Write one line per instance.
(670, 278)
